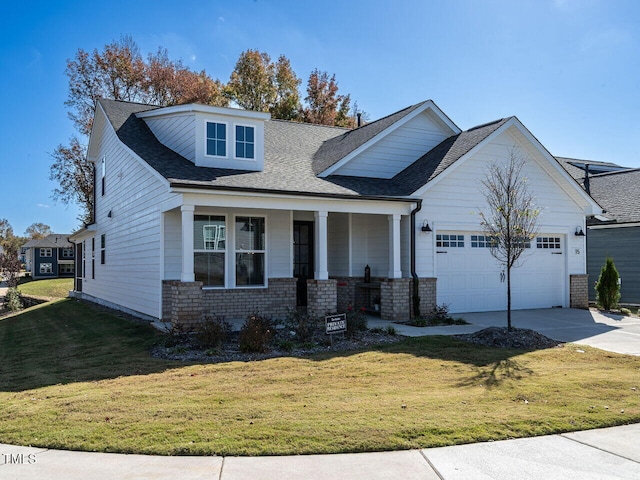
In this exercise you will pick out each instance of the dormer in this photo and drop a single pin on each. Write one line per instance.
(211, 136)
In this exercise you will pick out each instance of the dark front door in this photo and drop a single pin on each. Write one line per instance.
(302, 257)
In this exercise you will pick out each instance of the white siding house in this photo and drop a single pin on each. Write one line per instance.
(215, 210)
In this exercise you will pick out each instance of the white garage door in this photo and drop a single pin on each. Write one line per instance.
(471, 280)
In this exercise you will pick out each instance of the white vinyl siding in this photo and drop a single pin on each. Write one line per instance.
(131, 277)
(177, 132)
(449, 212)
(399, 149)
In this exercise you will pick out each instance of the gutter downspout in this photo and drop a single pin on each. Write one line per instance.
(416, 281)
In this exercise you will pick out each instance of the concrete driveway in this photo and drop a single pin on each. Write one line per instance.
(614, 333)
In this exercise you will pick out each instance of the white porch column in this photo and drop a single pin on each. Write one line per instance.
(187, 274)
(321, 268)
(394, 246)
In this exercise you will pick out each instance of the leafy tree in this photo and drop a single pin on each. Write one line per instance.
(287, 102)
(168, 82)
(9, 242)
(74, 174)
(260, 85)
(37, 230)
(608, 286)
(118, 72)
(511, 222)
(324, 105)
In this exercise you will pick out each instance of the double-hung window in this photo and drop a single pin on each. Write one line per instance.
(216, 139)
(46, 268)
(210, 244)
(46, 252)
(245, 143)
(250, 250)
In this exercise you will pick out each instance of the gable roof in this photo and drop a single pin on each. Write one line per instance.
(294, 154)
(54, 240)
(619, 195)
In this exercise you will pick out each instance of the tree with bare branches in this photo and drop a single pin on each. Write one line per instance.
(511, 220)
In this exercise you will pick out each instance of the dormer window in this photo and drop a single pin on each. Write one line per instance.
(245, 142)
(216, 139)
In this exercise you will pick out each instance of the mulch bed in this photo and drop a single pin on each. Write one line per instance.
(514, 338)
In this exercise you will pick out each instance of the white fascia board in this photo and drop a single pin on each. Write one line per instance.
(266, 201)
(427, 105)
(87, 232)
(592, 207)
(209, 109)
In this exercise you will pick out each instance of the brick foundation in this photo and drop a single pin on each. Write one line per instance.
(579, 291)
(396, 299)
(322, 297)
(427, 294)
(187, 302)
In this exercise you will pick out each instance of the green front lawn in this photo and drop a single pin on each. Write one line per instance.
(48, 288)
(73, 377)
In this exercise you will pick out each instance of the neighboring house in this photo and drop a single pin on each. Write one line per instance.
(203, 209)
(617, 233)
(50, 257)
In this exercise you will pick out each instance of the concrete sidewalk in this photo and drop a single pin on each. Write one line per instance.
(610, 453)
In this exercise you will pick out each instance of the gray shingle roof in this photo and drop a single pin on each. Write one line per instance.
(54, 240)
(294, 153)
(619, 194)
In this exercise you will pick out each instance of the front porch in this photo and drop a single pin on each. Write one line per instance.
(234, 262)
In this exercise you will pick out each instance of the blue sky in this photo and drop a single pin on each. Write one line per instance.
(568, 69)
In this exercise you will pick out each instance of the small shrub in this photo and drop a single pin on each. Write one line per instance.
(608, 286)
(212, 332)
(356, 321)
(440, 314)
(177, 334)
(301, 324)
(390, 330)
(625, 311)
(13, 300)
(421, 322)
(255, 334)
(286, 345)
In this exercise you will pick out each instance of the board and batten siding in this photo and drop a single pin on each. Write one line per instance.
(397, 150)
(621, 244)
(454, 203)
(178, 132)
(133, 193)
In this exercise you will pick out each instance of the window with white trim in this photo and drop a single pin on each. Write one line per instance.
(446, 240)
(67, 252)
(250, 251)
(46, 268)
(216, 139)
(481, 241)
(245, 142)
(548, 242)
(209, 247)
(46, 252)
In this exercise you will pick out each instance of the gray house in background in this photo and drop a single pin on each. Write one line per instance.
(618, 235)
